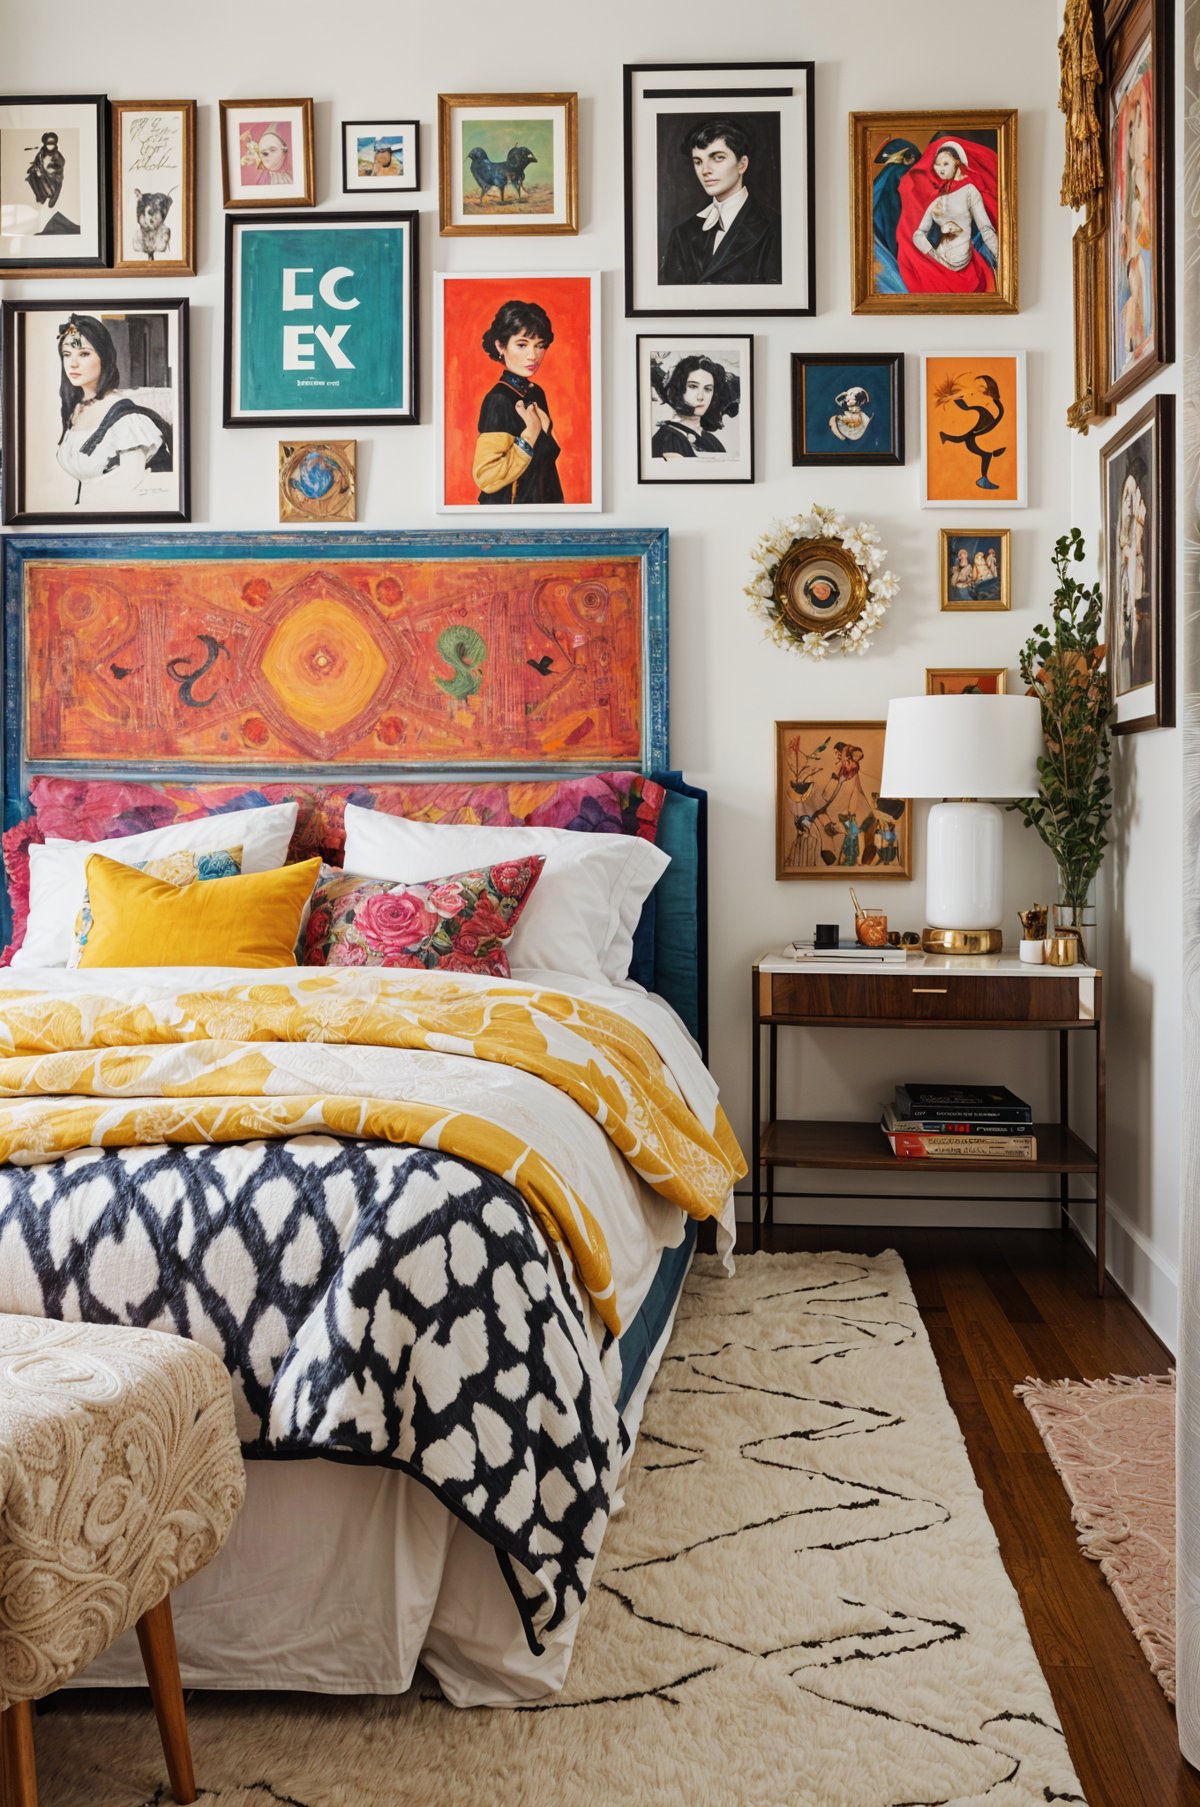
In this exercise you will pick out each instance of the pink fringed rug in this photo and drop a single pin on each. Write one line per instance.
(1113, 1444)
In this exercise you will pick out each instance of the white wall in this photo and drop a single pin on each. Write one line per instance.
(728, 685)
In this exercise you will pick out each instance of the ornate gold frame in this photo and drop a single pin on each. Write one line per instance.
(947, 607)
(801, 553)
(1089, 281)
(270, 197)
(177, 266)
(341, 507)
(448, 104)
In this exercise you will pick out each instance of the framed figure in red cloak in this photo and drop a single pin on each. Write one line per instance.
(934, 204)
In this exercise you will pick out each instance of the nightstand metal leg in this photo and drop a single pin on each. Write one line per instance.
(1101, 1144)
(772, 1114)
(1064, 1117)
(756, 1122)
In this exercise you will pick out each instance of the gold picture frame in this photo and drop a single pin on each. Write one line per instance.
(915, 136)
(966, 680)
(806, 609)
(141, 234)
(317, 480)
(983, 594)
(1090, 289)
(240, 192)
(823, 782)
(551, 121)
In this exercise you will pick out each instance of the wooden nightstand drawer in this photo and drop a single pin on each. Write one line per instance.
(916, 997)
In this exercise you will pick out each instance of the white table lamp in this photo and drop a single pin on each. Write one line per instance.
(963, 748)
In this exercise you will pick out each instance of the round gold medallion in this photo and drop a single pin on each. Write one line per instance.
(818, 587)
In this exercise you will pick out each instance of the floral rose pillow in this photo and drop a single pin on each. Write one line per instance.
(460, 924)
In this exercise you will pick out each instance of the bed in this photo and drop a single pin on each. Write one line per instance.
(361, 1184)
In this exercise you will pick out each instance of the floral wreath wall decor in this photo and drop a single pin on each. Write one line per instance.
(819, 583)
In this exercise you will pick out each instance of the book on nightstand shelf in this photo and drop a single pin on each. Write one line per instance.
(847, 954)
(973, 1104)
(978, 1122)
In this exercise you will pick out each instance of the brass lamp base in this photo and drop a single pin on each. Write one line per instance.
(962, 941)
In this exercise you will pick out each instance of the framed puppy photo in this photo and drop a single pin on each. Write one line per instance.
(508, 163)
(267, 153)
(380, 156)
(973, 430)
(54, 184)
(1137, 473)
(154, 187)
(847, 408)
(695, 407)
(719, 189)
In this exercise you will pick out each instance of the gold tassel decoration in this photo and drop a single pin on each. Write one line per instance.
(1080, 75)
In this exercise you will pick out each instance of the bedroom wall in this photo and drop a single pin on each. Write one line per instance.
(728, 684)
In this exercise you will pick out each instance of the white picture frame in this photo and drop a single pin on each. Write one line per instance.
(955, 386)
(695, 407)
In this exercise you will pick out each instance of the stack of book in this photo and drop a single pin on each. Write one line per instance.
(950, 1122)
(850, 953)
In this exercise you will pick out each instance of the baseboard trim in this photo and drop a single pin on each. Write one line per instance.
(1138, 1272)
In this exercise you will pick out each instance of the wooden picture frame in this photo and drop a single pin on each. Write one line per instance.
(317, 480)
(974, 590)
(831, 424)
(677, 445)
(1137, 476)
(1090, 293)
(273, 141)
(400, 137)
(1139, 214)
(550, 122)
(886, 258)
(819, 766)
(64, 170)
(966, 680)
(154, 220)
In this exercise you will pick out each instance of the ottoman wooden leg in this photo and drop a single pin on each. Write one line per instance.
(16, 1756)
(156, 1635)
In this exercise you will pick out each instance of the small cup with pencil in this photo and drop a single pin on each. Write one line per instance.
(870, 926)
(1033, 933)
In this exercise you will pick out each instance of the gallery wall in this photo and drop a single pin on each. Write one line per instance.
(728, 684)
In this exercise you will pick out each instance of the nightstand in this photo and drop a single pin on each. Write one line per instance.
(993, 992)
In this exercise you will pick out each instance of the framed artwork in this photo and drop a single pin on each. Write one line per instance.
(966, 680)
(154, 187)
(54, 184)
(830, 820)
(847, 409)
(719, 187)
(267, 153)
(1137, 474)
(321, 320)
(517, 380)
(934, 212)
(508, 163)
(973, 430)
(974, 570)
(95, 411)
(1139, 180)
(380, 156)
(316, 480)
(695, 407)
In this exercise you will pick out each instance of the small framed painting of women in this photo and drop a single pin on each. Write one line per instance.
(831, 821)
(973, 430)
(934, 212)
(508, 163)
(966, 680)
(719, 189)
(1140, 180)
(847, 408)
(267, 153)
(517, 391)
(974, 570)
(95, 412)
(1137, 475)
(379, 156)
(695, 407)
(154, 185)
(54, 184)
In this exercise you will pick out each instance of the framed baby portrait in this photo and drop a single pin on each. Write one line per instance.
(695, 407)
(508, 163)
(847, 408)
(154, 187)
(934, 212)
(974, 570)
(973, 430)
(54, 184)
(966, 680)
(267, 153)
(95, 412)
(719, 189)
(1140, 173)
(1137, 475)
(830, 819)
(517, 391)
(380, 156)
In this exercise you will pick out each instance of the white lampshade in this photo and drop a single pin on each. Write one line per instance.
(962, 746)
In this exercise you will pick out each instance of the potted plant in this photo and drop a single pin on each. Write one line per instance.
(1062, 666)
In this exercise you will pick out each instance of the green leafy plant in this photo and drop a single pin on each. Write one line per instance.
(1062, 666)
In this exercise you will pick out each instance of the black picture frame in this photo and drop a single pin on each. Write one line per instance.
(1154, 423)
(805, 449)
(15, 508)
(411, 125)
(685, 469)
(1127, 23)
(103, 258)
(784, 81)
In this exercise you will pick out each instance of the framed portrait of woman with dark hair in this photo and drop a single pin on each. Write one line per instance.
(695, 407)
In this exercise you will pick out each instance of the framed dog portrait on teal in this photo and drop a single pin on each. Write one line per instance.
(321, 320)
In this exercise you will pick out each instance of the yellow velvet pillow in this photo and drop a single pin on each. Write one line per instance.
(142, 921)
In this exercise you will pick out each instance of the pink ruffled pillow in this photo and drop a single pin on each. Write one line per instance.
(459, 924)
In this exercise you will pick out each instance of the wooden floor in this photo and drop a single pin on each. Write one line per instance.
(999, 1306)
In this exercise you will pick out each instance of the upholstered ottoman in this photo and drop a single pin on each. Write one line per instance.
(120, 1476)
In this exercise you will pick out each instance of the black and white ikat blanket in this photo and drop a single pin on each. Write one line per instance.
(381, 1304)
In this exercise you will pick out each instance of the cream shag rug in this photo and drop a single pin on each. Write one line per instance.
(1113, 1444)
(802, 1605)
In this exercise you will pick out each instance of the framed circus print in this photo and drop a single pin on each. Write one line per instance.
(719, 189)
(973, 432)
(695, 407)
(380, 156)
(1137, 474)
(154, 187)
(95, 411)
(974, 570)
(54, 184)
(321, 320)
(508, 163)
(830, 819)
(934, 212)
(847, 407)
(1139, 181)
(267, 153)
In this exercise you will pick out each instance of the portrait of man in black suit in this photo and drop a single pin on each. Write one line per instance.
(735, 236)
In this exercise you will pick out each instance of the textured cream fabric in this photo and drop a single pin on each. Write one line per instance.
(120, 1476)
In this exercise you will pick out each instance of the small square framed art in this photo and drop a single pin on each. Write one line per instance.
(380, 156)
(695, 407)
(974, 570)
(847, 408)
(267, 153)
(316, 480)
(508, 163)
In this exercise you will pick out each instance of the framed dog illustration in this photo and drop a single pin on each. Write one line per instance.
(154, 187)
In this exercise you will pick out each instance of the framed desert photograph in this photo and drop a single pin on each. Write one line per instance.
(54, 184)
(267, 153)
(719, 188)
(847, 408)
(695, 407)
(1137, 474)
(380, 156)
(966, 680)
(508, 163)
(154, 187)
(974, 570)
(1140, 177)
(830, 820)
(316, 480)
(95, 412)
(973, 430)
(934, 212)
(517, 391)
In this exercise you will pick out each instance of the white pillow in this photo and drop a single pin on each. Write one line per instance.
(58, 870)
(582, 912)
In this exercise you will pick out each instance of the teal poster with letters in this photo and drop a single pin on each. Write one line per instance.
(320, 319)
